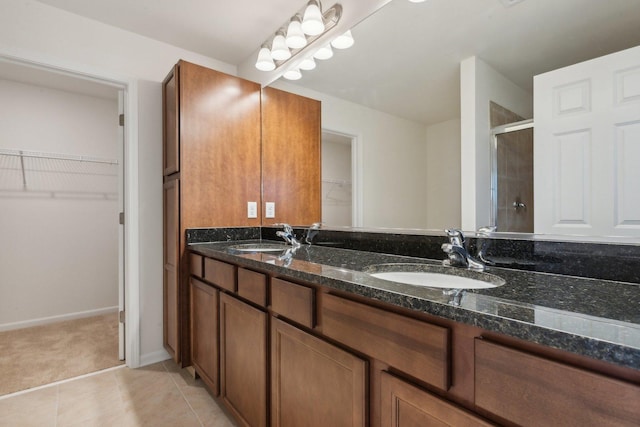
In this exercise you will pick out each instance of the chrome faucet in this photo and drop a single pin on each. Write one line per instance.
(485, 232)
(288, 235)
(312, 231)
(457, 253)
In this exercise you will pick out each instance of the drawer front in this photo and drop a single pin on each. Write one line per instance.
(196, 265)
(530, 390)
(220, 273)
(293, 301)
(403, 404)
(417, 348)
(252, 286)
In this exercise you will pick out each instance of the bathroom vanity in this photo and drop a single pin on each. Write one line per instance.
(308, 337)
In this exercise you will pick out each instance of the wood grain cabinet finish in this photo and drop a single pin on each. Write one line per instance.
(171, 277)
(293, 301)
(196, 265)
(412, 346)
(220, 274)
(405, 405)
(252, 286)
(291, 174)
(243, 361)
(212, 143)
(204, 332)
(532, 391)
(314, 383)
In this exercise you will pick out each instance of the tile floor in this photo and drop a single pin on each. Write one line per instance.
(155, 395)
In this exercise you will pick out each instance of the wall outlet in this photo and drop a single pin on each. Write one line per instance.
(270, 210)
(252, 209)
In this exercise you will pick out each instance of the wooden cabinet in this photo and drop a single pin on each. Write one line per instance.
(293, 301)
(204, 332)
(405, 405)
(529, 390)
(212, 158)
(243, 361)
(417, 348)
(314, 383)
(291, 175)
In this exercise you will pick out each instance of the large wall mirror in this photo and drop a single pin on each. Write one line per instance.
(413, 91)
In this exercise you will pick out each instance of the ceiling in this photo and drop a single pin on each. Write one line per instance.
(407, 55)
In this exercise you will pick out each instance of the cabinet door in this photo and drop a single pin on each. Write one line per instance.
(405, 405)
(314, 383)
(170, 117)
(204, 332)
(171, 288)
(243, 361)
(291, 157)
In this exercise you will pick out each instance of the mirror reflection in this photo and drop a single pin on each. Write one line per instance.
(413, 99)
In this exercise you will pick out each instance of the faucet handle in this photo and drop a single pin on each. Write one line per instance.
(287, 228)
(455, 236)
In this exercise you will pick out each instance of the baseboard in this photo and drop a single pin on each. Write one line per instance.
(155, 357)
(55, 319)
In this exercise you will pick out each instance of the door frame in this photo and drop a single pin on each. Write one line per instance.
(131, 245)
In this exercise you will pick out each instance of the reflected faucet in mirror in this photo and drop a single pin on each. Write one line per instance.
(312, 232)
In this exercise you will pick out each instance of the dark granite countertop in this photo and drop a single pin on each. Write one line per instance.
(591, 317)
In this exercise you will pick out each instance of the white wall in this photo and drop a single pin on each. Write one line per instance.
(393, 153)
(480, 84)
(443, 175)
(36, 32)
(60, 234)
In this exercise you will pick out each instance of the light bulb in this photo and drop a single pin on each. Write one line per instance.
(307, 64)
(294, 74)
(343, 41)
(265, 61)
(295, 36)
(279, 49)
(324, 52)
(312, 22)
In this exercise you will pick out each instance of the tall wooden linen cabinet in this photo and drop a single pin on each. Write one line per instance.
(227, 143)
(211, 170)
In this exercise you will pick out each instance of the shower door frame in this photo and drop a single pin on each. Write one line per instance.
(495, 132)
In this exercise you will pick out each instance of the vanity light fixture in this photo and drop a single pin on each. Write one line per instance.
(296, 36)
(293, 74)
(312, 21)
(279, 49)
(325, 52)
(265, 61)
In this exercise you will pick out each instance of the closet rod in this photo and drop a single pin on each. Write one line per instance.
(35, 154)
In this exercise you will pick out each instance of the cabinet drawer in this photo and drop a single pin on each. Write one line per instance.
(195, 264)
(220, 273)
(293, 301)
(530, 390)
(403, 404)
(417, 348)
(252, 286)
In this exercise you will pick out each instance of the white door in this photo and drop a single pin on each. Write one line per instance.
(121, 284)
(587, 147)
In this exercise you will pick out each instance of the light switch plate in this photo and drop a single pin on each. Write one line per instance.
(270, 210)
(252, 209)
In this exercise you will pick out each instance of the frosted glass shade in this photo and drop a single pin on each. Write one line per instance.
(294, 74)
(307, 64)
(265, 61)
(343, 41)
(279, 49)
(324, 52)
(312, 22)
(295, 36)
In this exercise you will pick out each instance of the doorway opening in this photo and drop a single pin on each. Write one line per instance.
(340, 192)
(61, 188)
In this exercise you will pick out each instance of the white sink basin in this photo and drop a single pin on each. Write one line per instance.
(434, 276)
(259, 247)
